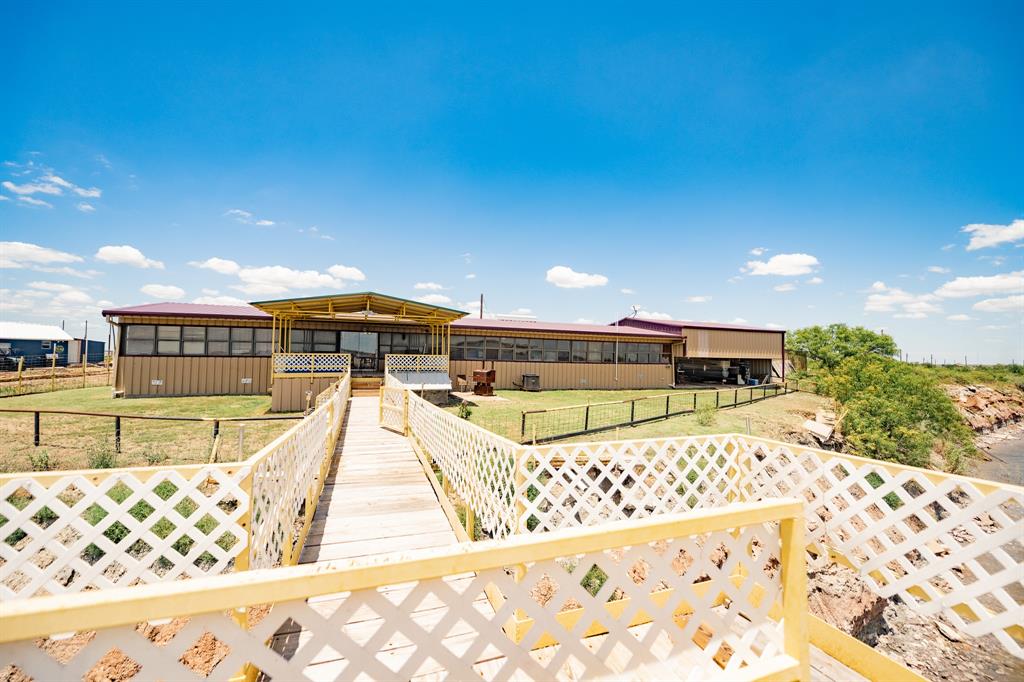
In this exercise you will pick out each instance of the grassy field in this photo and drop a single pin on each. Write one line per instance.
(775, 417)
(73, 442)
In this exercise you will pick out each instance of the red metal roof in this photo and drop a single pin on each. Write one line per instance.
(190, 310)
(666, 325)
(558, 327)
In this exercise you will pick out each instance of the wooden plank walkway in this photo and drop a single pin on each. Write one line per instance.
(377, 500)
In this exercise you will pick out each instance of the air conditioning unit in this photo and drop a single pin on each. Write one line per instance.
(531, 382)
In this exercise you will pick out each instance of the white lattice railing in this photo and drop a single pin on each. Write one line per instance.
(71, 531)
(393, 408)
(477, 465)
(286, 364)
(642, 599)
(943, 543)
(415, 363)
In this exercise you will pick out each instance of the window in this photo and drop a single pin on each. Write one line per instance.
(458, 349)
(217, 341)
(474, 348)
(139, 339)
(193, 340)
(522, 350)
(593, 351)
(536, 350)
(302, 341)
(241, 341)
(168, 340)
(325, 342)
(46, 345)
(579, 351)
(563, 350)
(491, 348)
(264, 341)
(507, 349)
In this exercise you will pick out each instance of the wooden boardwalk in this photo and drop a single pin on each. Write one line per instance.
(377, 500)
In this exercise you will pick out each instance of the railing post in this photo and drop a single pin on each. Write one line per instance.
(241, 614)
(586, 418)
(632, 411)
(522, 427)
(794, 594)
(694, 402)
(405, 413)
(380, 406)
(21, 366)
(35, 429)
(735, 397)
(117, 434)
(718, 396)
(667, 397)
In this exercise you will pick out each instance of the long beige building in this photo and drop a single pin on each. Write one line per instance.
(292, 348)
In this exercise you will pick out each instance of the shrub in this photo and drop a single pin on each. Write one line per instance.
(154, 458)
(465, 411)
(40, 460)
(101, 458)
(829, 346)
(707, 415)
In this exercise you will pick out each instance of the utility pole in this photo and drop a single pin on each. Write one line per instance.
(481, 306)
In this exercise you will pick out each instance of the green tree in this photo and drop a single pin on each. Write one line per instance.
(829, 346)
(894, 411)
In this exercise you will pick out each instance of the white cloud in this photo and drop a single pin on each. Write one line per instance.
(64, 270)
(247, 218)
(72, 297)
(50, 286)
(938, 269)
(814, 281)
(948, 247)
(32, 188)
(584, 320)
(434, 299)
(57, 180)
(901, 303)
(85, 208)
(738, 320)
(221, 265)
(698, 299)
(22, 255)
(652, 315)
(32, 201)
(219, 300)
(277, 279)
(4, 198)
(734, 279)
(91, 193)
(471, 275)
(628, 292)
(1010, 304)
(966, 287)
(210, 292)
(567, 278)
(774, 325)
(167, 292)
(758, 251)
(783, 264)
(959, 318)
(428, 286)
(346, 272)
(126, 255)
(517, 314)
(788, 286)
(985, 236)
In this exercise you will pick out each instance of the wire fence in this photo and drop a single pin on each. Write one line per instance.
(38, 374)
(538, 426)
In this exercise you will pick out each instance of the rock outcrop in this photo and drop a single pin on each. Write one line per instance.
(985, 408)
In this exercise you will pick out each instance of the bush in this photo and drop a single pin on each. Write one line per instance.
(40, 460)
(707, 415)
(829, 346)
(154, 458)
(465, 411)
(894, 411)
(102, 459)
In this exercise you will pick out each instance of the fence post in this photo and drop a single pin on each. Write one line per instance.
(21, 366)
(586, 418)
(241, 614)
(522, 427)
(405, 413)
(117, 434)
(667, 397)
(694, 402)
(53, 369)
(632, 411)
(794, 593)
(35, 430)
(735, 397)
(718, 397)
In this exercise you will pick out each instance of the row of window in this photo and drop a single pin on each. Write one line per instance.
(166, 339)
(557, 350)
(358, 343)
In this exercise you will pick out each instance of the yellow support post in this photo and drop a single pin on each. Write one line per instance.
(796, 634)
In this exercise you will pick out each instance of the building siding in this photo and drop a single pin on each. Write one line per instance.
(289, 395)
(182, 376)
(722, 343)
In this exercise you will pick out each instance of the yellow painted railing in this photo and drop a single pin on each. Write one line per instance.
(70, 531)
(630, 599)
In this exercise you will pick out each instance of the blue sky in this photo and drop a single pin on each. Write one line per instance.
(764, 163)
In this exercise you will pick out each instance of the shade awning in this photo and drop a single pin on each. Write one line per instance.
(362, 307)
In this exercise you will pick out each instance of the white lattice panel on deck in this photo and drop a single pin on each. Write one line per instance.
(415, 363)
(316, 363)
(584, 484)
(79, 532)
(478, 464)
(941, 546)
(680, 619)
(392, 408)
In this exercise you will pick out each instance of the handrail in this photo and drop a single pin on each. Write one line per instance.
(772, 601)
(178, 418)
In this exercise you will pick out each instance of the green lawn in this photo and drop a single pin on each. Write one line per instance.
(774, 416)
(73, 442)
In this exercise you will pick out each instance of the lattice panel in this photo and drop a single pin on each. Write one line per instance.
(585, 484)
(478, 464)
(315, 363)
(563, 621)
(937, 541)
(415, 363)
(77, 532)
(392, 408)
(289, 475)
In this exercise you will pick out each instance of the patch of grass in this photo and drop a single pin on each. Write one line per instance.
(40, 460)
(706, 415)
(100, 458)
